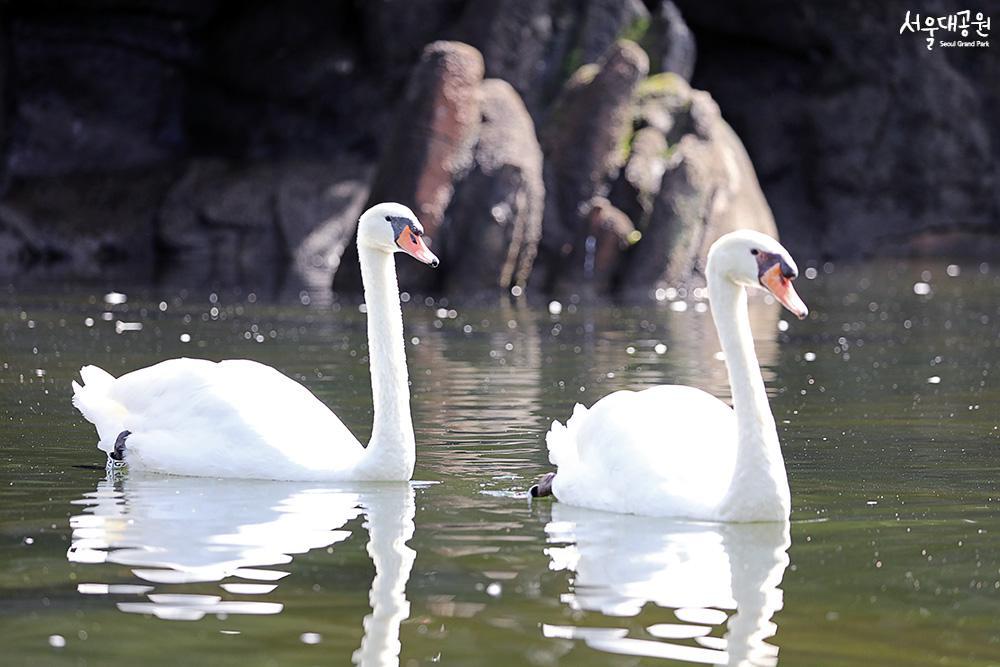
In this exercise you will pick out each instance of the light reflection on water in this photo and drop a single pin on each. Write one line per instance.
(172, 531)
(894, 537)
(718, 578)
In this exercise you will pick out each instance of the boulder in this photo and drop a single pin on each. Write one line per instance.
(232, 223)
(865, 141)
(97, 88)
(598, 260)
(605, 22)
(663, 102)
(671, 44)
(585, 141)
(396, 31)
(82, 225)
(429, 147)
(4, 103)
(709, 189)
(209, 234)
(318, 206)
(523, 42)
(536, 44)
(635, 189)
(273, 80)
(583, 138)
(494, 220)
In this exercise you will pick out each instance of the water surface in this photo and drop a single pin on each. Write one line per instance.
(886, 401)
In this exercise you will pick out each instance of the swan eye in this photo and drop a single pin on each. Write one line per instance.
(754, 251)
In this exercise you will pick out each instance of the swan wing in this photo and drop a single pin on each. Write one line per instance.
(666, 451)
(234, 418)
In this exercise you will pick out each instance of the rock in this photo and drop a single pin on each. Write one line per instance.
(598, 260)
(396, 31)
(583, 137)
(201, 230)
(5, 105)
(708, 189)
(275, 80)
(494, 220)
(536, 44)
(671, 45)
(663, 102)
(638, 183)
(237, 223)
(318, 207)
(584, 141)
(429, 147)
(605, 22)
(863, 139)
(82, 225)
(523, 42)
(96, 89)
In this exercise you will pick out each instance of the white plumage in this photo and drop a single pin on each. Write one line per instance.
(239, 418)
(676, 451)
(624, 454)
(234, 418)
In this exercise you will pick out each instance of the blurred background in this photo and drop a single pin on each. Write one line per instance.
(547, 145)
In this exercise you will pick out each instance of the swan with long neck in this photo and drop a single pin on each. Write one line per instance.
(239, 418)
(675, 450)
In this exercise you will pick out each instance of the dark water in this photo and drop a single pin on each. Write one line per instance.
(887, 400)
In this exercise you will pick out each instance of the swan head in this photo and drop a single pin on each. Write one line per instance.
(393, 228)
(752, 259)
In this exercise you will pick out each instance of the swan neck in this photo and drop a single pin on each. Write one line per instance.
(390, 526)
(759, 487)
(391, 453)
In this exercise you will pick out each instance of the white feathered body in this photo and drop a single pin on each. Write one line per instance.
(675, 451)
(234, 418)
(664, 451)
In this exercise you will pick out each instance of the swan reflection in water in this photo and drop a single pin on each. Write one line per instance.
(718, 579)
(182, 530)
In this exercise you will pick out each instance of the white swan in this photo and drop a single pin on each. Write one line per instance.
(242, 419)
(677, 451)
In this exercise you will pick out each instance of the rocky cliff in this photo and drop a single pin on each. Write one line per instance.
(546, 144)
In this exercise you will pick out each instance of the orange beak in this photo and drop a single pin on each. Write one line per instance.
(781, 288)
(413, 245)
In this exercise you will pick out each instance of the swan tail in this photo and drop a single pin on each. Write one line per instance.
(93, 400)
(562, 440)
